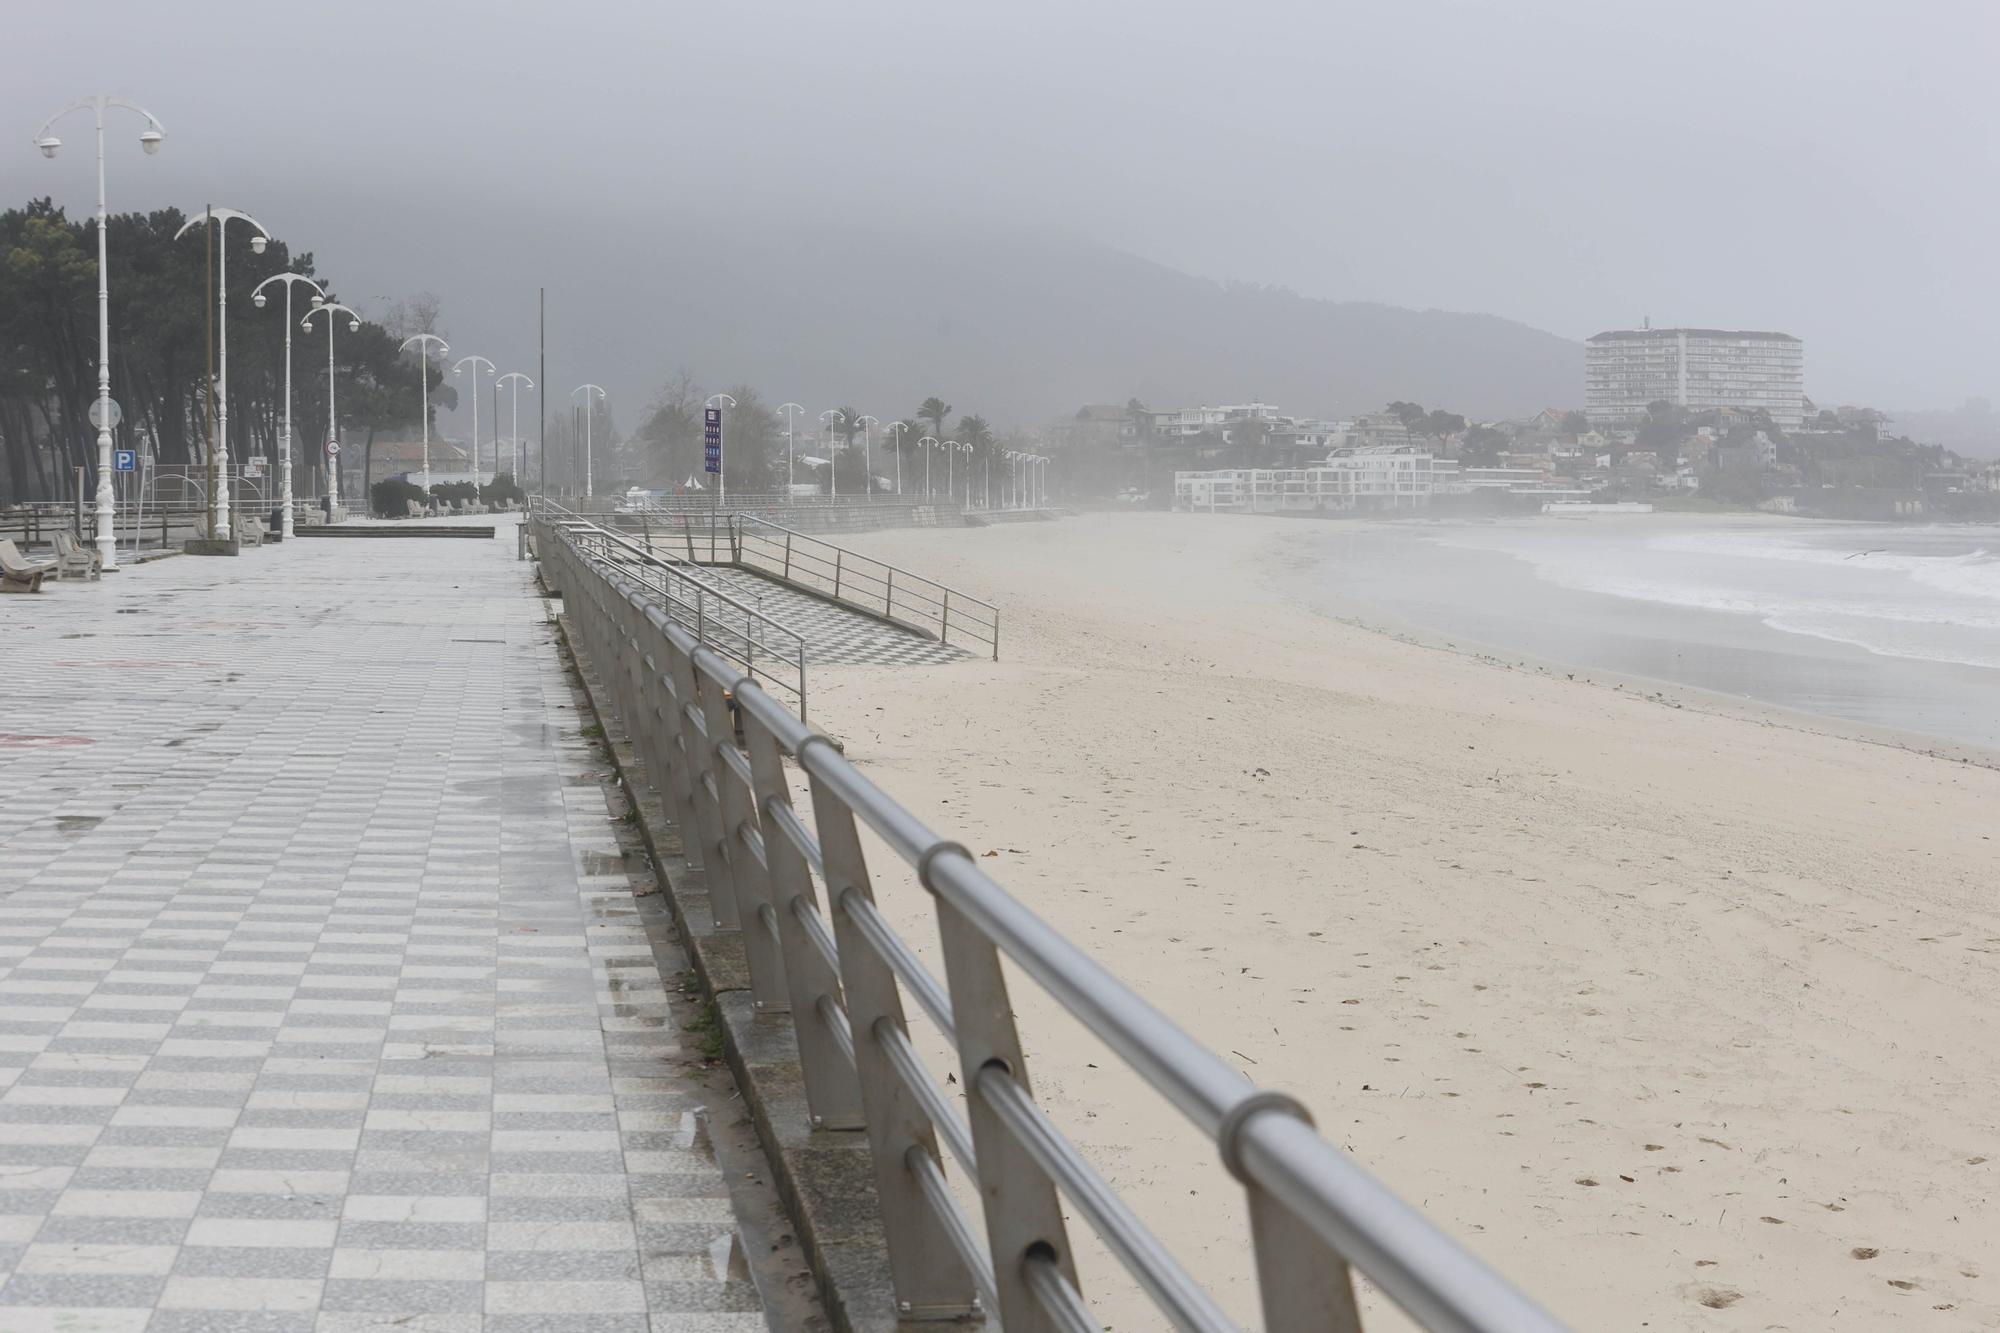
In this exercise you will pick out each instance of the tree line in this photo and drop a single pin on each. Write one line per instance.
(160, 312)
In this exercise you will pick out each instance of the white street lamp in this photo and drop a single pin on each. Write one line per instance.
(791, 411)
(832, 451)
(514, 379)
(107, 541)
(899, 427)
(950, 448)
(868, 425)
(965, 447)
(422, 342)
(721, 476)
(478, 363)
(928, 443)
(222, 217)
(285, 466)
(332, 421)
(586, 390)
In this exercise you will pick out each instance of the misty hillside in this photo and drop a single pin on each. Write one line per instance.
(1027, 328)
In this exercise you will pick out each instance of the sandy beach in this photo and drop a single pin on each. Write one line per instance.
(1683, 1017)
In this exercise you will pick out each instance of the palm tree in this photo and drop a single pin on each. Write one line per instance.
(934, 410)
(974, 430)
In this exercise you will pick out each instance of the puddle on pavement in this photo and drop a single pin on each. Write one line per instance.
(75, 824)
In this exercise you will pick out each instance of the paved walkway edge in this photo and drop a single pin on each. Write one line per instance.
(825, 1177)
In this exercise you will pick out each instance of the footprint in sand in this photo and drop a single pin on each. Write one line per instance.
(1715, 1298)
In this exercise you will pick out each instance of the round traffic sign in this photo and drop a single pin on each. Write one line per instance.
(332, 448)
(98, 412)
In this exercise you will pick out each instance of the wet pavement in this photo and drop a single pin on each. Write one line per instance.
(326, 1003)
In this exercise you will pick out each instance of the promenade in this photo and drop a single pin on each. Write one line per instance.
(325, 1001)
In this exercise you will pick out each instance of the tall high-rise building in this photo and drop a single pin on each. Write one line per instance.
(1626, 369)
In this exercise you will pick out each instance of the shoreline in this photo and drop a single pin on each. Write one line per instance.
(1346, 610)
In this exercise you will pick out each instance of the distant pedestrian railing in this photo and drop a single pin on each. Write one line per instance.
(801, 892)
(756, 645)
(864, 582)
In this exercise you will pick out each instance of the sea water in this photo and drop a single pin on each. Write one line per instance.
(1891, 625)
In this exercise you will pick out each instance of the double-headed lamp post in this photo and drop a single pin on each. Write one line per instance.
(107, 541)
(965, 447)
(285, 463)
(222, 217)
(928, 443)
(722, 442)
(951, 448)
(514, 379)
(478, 363)
(791, 411)
(330, 309)
(899, 427)
(589, 487)
(422, 342)
(830, 416)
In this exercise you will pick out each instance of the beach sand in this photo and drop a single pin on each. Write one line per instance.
(1680, 1017)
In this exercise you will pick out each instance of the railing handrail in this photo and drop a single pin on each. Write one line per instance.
(1313, 1210)
(850, 552)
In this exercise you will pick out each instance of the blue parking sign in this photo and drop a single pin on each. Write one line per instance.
(124, 460)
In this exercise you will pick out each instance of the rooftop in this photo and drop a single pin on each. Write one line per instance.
(1695, 333)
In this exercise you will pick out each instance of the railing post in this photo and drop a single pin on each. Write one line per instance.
(788, 553)
(700, 760)
(1022, 1214)
(833, 1098)
(1303, 1282)
(930, 1279)
(889, 593)
(944, 618)
(753, 887)
(836, 573)
(675, 778)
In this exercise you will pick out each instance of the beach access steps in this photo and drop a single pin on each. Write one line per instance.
(809, 978)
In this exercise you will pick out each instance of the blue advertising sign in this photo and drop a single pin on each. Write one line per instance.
(124, 460)
(711, 439)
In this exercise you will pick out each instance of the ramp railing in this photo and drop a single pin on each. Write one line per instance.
(801, 890)
(861, 581)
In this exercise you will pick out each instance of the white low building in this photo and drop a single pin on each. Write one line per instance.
(1388, 477)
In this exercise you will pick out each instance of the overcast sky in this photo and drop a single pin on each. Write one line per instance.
(1824, 168)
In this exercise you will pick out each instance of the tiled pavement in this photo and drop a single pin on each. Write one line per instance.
(323, 1002)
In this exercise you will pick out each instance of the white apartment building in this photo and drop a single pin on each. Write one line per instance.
(1698, 369)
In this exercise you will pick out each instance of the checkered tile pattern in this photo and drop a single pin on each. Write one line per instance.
(324, 1003)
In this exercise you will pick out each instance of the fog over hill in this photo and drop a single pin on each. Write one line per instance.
(1021, 326)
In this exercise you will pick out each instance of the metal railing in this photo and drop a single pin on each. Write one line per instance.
(757, 645)
(768, 500)
(863, 582)
(818, 946)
